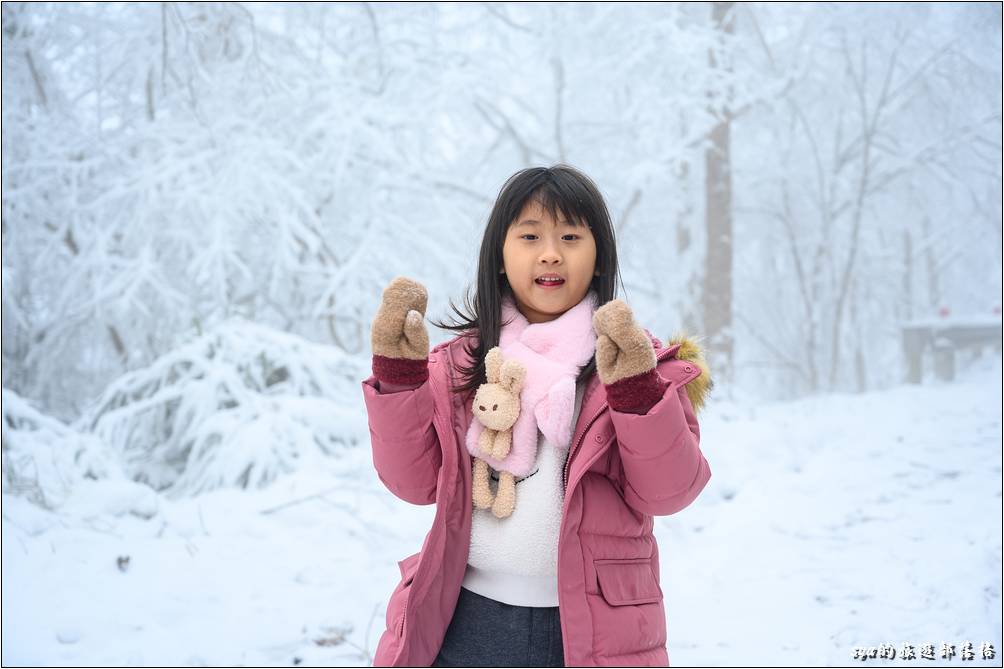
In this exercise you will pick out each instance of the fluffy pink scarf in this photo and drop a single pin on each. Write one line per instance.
(553, 353)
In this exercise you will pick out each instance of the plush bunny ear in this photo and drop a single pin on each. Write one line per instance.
(512, 375)
(493, 364)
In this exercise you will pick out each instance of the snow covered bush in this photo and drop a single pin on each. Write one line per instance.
(43, 459)
(236, 406)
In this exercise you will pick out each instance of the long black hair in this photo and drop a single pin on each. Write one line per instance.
(559, 189)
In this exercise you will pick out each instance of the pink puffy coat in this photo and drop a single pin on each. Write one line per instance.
(622, 469)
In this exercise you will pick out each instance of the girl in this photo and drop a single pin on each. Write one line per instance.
(570, 575)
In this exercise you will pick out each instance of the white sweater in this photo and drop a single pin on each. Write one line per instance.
(515, 560)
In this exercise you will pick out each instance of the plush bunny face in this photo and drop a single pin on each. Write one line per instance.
(496, 404)
(496, 407)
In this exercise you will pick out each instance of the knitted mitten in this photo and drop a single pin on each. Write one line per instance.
(625, 360)
(399, 338)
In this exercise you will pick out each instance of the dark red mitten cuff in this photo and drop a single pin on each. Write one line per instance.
(637, 394)
(400, 370)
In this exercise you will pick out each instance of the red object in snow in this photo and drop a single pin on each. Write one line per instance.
(944, 312)
(997, 310)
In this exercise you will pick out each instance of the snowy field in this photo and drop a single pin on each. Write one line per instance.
(829, 523)
(202, 203)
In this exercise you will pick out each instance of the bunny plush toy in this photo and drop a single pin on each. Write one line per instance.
(496, 406)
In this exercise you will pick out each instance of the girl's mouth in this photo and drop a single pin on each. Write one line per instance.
(549, 284)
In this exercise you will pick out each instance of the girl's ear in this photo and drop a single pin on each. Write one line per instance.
(493, 364)
(512, 376)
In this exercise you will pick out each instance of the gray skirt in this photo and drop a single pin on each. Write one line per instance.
(487, 633)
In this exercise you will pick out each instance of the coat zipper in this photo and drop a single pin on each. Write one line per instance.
(577, 443)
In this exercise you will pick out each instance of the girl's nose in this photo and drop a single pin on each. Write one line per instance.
(550, 254)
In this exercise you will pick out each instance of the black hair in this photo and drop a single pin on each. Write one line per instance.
(559, 189)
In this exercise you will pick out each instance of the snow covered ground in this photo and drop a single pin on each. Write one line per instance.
(829, 523)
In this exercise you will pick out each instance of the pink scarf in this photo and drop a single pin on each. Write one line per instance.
(553, 353)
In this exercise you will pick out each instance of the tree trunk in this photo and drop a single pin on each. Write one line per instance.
(931, 261)
(717, 293)
(906, 303)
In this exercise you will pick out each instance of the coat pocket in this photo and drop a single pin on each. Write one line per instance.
(627, 581)
(397, 606)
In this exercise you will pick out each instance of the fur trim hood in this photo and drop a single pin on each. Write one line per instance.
(699, 389)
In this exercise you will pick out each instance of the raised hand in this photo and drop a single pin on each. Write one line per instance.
(398, 329)
(623, 348)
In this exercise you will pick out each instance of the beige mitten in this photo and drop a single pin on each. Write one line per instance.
(398, 335)
(623, 348)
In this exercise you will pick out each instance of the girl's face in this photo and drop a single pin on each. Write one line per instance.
(536, 245)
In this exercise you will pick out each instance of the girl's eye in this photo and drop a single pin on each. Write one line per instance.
(563, 236)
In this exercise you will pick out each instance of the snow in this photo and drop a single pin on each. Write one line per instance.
(830, 522)
(842, 521)
(227, 577)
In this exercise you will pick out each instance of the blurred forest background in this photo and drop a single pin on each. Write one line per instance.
(203, 202)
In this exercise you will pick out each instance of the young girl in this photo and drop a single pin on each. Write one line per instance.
(569, 575)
